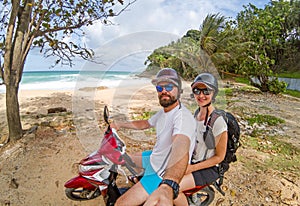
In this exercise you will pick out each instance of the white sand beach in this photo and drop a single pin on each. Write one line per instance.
(34, 169)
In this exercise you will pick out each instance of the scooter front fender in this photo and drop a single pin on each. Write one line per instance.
(78, 182)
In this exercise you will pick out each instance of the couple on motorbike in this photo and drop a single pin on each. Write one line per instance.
(180, 159)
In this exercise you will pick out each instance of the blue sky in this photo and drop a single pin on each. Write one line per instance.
(164, 20)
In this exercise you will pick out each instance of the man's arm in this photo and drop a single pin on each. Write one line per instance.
(175, 171)
(178, 158)
(137, 124)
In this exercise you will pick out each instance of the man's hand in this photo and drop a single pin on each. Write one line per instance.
(114, 125)
(162, 196)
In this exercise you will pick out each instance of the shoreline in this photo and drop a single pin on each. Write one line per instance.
(120, 98)
(63, 81)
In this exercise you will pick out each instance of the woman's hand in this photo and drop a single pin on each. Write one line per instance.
(189, 169)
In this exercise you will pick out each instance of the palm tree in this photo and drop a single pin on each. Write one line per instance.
(209, 32)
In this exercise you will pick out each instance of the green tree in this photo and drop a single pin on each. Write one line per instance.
(193, 50)
(218, 40)
(270, 36)
(45, 24)
(209, 33)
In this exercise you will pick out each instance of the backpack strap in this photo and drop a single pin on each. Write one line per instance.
(210, 142)
(213, 117)
(196, 112)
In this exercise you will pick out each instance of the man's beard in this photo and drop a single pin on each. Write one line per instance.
(167, 102)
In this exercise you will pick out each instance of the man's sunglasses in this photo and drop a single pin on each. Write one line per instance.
(167, 87)
(205, 91)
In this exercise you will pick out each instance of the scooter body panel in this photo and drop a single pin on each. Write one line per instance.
(78, 182)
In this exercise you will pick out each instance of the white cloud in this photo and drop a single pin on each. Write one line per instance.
(174, 17)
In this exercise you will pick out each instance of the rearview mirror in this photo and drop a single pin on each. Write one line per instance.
(106, 114)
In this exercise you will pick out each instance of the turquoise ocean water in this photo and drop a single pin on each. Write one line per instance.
(70, 80)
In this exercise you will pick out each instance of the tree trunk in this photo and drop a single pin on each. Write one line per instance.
(12, 113)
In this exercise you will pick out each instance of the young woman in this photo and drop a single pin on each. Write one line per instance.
(203, 168)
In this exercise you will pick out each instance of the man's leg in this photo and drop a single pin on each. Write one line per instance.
(136, 195)
(137, 159)
(139, 193)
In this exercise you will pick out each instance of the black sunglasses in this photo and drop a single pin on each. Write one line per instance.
(205, 91)
(167, 87)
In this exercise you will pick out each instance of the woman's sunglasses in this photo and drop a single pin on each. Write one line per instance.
(198, 91)
(167, 87)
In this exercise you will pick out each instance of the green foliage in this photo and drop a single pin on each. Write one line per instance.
(249, 89)
(144, 115)
(259, 43)
(242, 80)
(228, 91)
(275, 86)
(294, 75)
(293, 93)
(193, 34)
(264, 119)
(267, 31)
(192, 54)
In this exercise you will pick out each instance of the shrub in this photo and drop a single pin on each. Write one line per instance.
(275, 86)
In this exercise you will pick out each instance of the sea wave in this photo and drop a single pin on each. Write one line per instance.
(57, 80)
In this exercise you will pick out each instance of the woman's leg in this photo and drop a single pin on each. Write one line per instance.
(200, 177)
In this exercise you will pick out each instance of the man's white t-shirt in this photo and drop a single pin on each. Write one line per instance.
(177, 121)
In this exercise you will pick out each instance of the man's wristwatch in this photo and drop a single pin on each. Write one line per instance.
(174, 185)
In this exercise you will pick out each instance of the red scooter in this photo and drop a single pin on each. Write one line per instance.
(98, 173)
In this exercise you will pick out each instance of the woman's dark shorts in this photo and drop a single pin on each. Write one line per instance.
(206, 176)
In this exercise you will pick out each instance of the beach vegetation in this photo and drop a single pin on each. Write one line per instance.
(264, 119)
(291, 74)
(143, 115)
(258, 44)
(228, 91)
(242, 80)
(55, 27)
(293, 93)
(249, 88)
(283, 156)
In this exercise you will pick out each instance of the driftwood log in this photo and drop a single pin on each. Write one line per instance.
(56, 110)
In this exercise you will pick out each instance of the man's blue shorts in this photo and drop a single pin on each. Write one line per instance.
(150, 181)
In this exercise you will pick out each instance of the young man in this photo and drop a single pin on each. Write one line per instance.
(166, 164)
